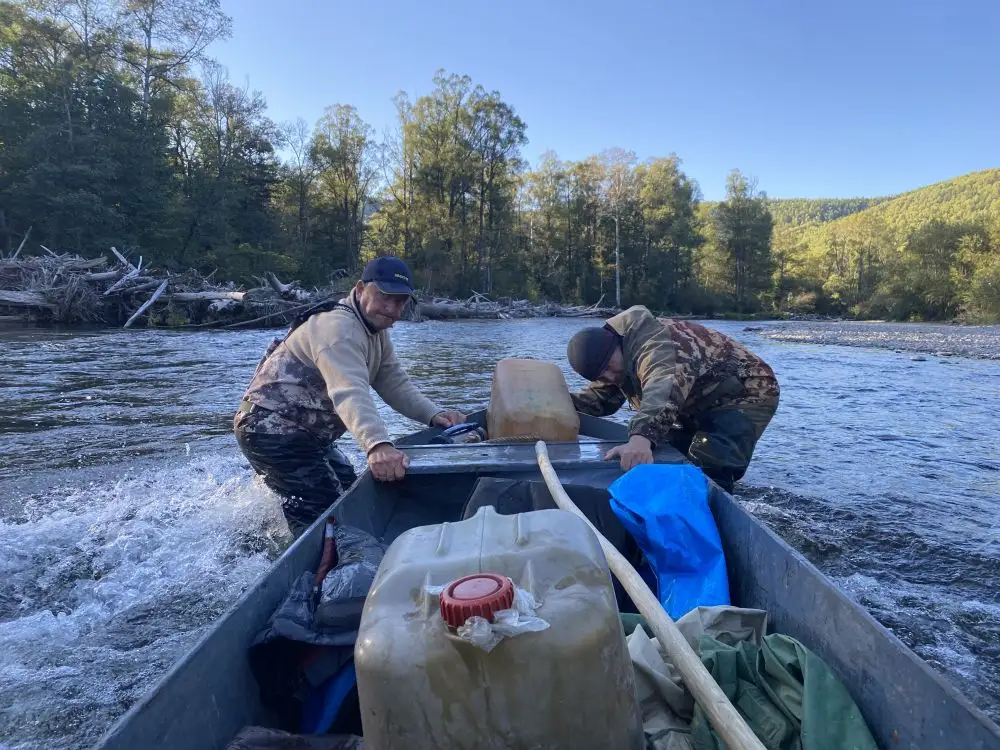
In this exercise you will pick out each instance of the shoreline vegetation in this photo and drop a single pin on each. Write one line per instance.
(69, 290)
(118, 131)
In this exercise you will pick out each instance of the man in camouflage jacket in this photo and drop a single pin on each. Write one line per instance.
(691, 386)
(314, 385)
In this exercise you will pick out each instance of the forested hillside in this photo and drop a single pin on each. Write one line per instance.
(932, 253)
(115, 129)
(797, 211)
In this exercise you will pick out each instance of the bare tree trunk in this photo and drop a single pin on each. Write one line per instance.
(479, 239)
(302, 212)
(618, 269)
(348, 235)
(147, 72)
(69, 117)
(406, 199)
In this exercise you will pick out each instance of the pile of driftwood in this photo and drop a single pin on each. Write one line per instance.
(481, 306)
(66, 288)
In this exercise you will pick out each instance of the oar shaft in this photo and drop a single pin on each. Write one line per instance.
(724, 718)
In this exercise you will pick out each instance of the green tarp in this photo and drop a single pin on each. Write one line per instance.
(787, 695)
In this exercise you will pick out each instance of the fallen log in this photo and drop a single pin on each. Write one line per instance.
(143, 284)
(159, 290)
(453, 310)
(19, 247)
(122, 281)
(481, 307)
(84, 265)
(195, 296)
(103, 276)
(123, 259)
(222, 304)
(25, 299)
(289, 291)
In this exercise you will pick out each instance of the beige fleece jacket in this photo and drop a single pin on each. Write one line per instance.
(321, 377)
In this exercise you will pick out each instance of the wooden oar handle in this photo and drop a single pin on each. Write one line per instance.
(706, 691)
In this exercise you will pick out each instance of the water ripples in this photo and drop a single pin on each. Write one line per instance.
(129, 521)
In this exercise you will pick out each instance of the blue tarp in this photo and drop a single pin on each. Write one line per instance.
(665, 508)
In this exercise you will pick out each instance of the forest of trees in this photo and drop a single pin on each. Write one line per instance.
(797, 211)
(116, 129)
(931, 254)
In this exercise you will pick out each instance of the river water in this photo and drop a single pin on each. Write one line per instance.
(129, 521)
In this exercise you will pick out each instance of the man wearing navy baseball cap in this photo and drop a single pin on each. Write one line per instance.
(314, 385)
(389, 274)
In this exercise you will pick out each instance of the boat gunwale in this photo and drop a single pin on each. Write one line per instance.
(867, 619)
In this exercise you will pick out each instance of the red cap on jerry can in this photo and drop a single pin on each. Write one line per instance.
(481, 594)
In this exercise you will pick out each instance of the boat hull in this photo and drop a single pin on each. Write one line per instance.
(210, 694)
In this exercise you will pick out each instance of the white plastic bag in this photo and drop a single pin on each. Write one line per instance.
(507, 623)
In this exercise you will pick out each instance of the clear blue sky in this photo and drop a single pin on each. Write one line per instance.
(814, 98)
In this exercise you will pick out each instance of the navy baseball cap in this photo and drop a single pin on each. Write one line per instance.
(390, 275)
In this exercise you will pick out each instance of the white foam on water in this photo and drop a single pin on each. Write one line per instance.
(105, 587)
(858, 584)
(764, 510)
(952, 658)
(948, 632)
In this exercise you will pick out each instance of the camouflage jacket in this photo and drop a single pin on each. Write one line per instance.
(320, 378)
(674, 370)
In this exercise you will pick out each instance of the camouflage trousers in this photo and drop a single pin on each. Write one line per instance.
(721, 440)
(308, 473)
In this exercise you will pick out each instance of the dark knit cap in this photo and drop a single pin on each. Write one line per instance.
(590, 350)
